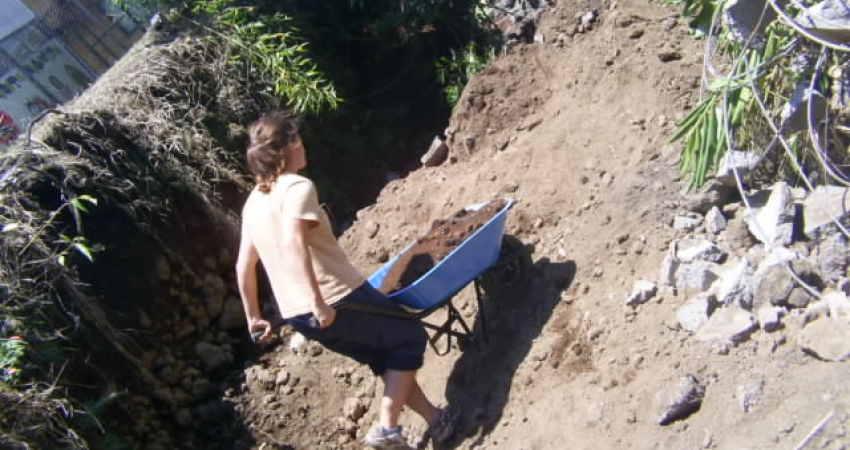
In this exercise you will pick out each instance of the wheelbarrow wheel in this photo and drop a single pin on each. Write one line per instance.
(510, 276)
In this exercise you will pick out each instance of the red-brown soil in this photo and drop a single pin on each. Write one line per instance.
(440, 240)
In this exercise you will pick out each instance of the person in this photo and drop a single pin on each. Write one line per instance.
(285, 228)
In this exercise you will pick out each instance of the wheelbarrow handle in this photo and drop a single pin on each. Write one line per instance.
(255, 335)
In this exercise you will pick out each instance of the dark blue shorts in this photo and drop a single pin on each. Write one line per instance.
(381, 342)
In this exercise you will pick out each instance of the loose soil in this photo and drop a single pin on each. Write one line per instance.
(575, 128)
(441, 239)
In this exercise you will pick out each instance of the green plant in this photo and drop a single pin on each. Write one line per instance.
(270, 46)
(745, 107)
(455, 70)
(12, 359)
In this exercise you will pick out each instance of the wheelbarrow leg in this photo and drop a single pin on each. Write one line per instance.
(446, 330)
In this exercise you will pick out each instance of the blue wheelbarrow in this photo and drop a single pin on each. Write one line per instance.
(499, 266)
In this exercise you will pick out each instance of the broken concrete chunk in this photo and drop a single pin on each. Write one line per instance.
(773, 223)
(667, 273)
(699, 248)
(735, 160)
(735, 285)
(696, 311)
(795, 113)
(436, 154)
(832, 257)
(687, 222)
(839, 305)
(715, 222)
(727, 326)
(829, 19)
(642, 291)
(698, 275)
(827, 339)
(681, 401)
(822, 205)
(747, 20)
(770, 317)
(750, 395)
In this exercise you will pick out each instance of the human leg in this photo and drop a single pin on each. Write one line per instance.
(400, 389)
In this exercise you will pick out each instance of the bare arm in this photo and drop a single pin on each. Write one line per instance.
(246, 276)
(299, 262)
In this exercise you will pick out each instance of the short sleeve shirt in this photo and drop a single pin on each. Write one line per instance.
(295, 197)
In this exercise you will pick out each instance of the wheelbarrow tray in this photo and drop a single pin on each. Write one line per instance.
(465, 263)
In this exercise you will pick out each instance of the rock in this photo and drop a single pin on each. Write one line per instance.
(642, 291)
(588, 18)
(232, 315)
(683, 400)
(436, 154)
(832, 256)
(712, 194)
(774, 284)
(736, 161)
(372, 228)
(737, 235)
(735, 285)
(799, 298)
(669, 55)
(773, 223)
(183, 417)
(296, 342)
(843, 285)
(826, 339)
(687, 222)
(212, 356)
(749, 395)
(715, 222)
(353, 408)
(699, 248)
(315, 349)
(822, 205)
(794, 113)
(727, 326)
(282, 378)
(698, 275)
(667, 273)
(747, 20)
(770, 317)
(696, 311)
(839, 305)
(829, 19)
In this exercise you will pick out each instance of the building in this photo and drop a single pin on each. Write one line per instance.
(51, 50)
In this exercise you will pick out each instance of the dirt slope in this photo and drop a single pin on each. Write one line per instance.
(575, 129)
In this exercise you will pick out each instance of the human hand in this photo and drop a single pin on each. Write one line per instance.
(324, 314)
(260, 329)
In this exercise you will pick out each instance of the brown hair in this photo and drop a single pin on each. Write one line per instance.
(269, 136)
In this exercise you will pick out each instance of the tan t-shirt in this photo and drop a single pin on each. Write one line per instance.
(294, 197)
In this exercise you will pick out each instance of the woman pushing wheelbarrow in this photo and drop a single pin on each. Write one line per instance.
(317, 289)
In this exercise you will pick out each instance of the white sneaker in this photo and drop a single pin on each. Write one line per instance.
(379, 439)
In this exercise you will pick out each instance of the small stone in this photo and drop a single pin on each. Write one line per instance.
(681, 401)
(770, 317)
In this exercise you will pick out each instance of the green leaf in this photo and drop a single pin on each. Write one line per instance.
(84, 250)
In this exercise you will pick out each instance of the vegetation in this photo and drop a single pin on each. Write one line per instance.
(768, 74)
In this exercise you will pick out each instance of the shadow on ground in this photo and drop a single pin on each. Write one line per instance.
(480, 382)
